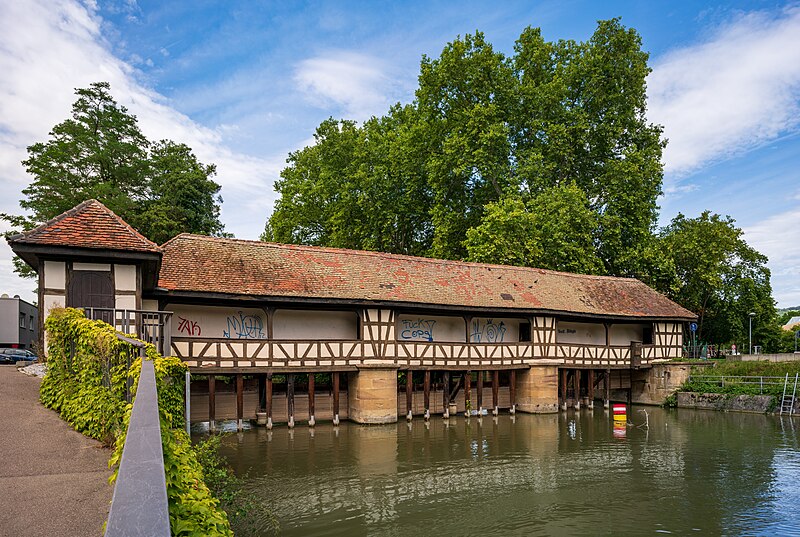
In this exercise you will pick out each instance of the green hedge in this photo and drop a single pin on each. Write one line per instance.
(87, 374)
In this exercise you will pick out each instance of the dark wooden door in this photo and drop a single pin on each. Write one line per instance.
(90, 289)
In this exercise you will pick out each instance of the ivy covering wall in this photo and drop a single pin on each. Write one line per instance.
(89, 373)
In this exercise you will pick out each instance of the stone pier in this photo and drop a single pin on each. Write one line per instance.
(373, 396)
(537, 389)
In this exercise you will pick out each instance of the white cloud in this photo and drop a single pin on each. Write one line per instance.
(736, 90)
(778, 238)
(355, 82)
(50, 47)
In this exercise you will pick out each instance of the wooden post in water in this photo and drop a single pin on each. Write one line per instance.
(409, 394)
(268, 408)
(311, 420)
(212, 403)
(335, 378)
(576, 381)
(446, 394)
(512, 389)
(495, 391)
(563, 382)
(239, 401)
(467, 393)
(607, 400)
(590, 388)
(480, 392)
(290, 398)
(427, 392)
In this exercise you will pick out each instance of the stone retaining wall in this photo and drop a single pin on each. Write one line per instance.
(719, 401)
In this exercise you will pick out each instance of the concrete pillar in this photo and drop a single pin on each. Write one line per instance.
(537, 389)
(373, 395)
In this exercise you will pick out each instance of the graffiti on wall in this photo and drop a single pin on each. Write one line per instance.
(418, 330)
(188, 327)
(487, 331)
(241, 326)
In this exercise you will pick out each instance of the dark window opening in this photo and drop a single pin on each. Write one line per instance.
(524, 331)
(647, 335)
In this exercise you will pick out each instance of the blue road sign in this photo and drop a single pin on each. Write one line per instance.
(693, 327)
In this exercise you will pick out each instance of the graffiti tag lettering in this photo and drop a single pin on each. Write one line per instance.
(190, 328)
(487, 331)
(420, 330)
(243, 326)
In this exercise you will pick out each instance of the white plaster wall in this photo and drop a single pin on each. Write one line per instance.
(302, 324)
(581, 333)
(125, 277)
(150, 305)
(623, 334)
(493, 330)
(430, 328)
(218, 322)
(55, 275)
(92, 266)
(125, 302)
(52, 301)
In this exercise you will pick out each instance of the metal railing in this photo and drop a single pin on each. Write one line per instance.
(150, 326)
(139, 505)
(763, 383)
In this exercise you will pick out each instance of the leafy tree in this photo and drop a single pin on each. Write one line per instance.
(555, 231)
(99, 152)
(180, 196)
(721, 279)
(357, 187)
(484, 134)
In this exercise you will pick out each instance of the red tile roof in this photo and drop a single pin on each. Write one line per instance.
(88, 225)
(200, 264)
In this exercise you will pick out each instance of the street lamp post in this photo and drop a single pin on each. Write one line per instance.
(751, 331)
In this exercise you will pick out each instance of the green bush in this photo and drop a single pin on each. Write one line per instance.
(86, 381)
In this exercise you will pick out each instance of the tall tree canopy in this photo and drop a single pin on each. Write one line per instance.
(486, 133)
(543, 158)
(722, 279)
(99, 152)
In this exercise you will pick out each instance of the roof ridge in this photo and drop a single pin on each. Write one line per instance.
(58, 218)
(432, 260)
(32, 235)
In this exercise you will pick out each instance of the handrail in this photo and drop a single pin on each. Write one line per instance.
(139, 505)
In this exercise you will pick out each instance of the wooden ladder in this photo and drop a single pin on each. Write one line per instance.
(787, 401)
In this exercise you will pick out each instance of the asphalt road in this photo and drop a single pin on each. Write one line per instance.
(53, 480)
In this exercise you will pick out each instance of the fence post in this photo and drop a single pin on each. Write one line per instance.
(188, 403)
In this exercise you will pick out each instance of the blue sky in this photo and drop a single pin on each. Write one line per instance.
(244, 83)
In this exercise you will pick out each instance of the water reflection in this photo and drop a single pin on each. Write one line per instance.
(559, 474)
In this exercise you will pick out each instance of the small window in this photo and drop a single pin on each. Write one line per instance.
(22, 320)
(30, 322)
(647, 334)
(524, 331)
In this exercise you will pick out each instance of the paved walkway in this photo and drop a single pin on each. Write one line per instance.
(53, 480)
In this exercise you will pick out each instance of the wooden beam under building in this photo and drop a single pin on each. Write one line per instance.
(512, 389)
(480, 392)
(467, 392)
(335, 379)
(268, 408)
(427, 393)
(239, 401)
(212, 403)
(446, 394)
(290, 398)
(409, 394)
(495, 391)
(311, 419)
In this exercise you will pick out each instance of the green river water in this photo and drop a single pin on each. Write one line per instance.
(687, 473)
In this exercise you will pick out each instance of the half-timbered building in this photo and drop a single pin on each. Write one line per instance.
(237, 307)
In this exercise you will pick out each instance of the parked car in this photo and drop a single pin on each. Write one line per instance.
(12, 356)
